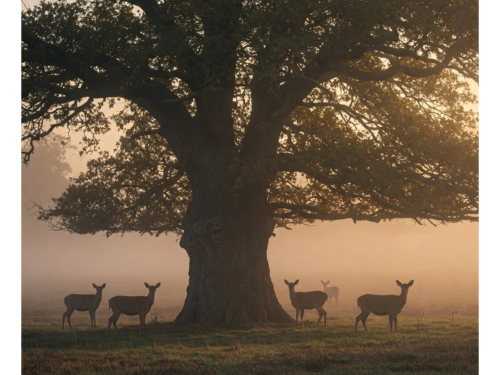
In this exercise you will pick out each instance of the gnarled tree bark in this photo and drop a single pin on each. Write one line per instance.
(226, 235)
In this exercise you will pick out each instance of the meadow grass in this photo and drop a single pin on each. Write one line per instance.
(431, 345)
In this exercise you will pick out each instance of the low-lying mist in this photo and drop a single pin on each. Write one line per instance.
(358, 258)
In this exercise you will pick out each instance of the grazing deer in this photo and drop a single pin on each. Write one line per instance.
(132, 306)
(331, 291)
(383, 305)
(83, 302)
(307, 300)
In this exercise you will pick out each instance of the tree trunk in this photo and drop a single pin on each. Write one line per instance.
(226, 234)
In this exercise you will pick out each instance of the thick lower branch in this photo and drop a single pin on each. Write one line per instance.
(317, 213)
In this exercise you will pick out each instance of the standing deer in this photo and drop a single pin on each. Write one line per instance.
(331, 291)
(307, 300)
(132, 306)
(383, 305)
(83, 302)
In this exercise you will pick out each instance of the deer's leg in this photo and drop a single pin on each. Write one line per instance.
(396, 322)
(324, 315)
(336, 300)
(113, 319)
(302, 316)
(296, 316)
(363, 320)
(68, 316)
(358, 318)
(109, 323)
(390, 322)
(319, 309)
(142, 321)
(64, 317)
(110, 320)
(91, 319)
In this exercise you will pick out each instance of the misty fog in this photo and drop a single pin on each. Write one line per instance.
(358, 258)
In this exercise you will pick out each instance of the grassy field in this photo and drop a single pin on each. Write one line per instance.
(433, 344)
(429, 340)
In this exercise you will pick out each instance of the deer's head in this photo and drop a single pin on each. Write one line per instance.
(99, 288)
(325, 284)
(404, 287)
(152, 288)
(291, 286)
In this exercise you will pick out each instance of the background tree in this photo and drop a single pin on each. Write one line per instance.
(48, 173)
(244, 116)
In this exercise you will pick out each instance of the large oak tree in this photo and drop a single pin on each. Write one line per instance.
(239, 117)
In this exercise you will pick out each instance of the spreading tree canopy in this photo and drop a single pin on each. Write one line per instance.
(238, 117)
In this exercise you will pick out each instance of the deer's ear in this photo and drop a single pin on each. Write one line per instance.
(95, 286)
(157, 285)
(103, 286)
(296, 282)
(399, 283)
(147, 285)
(410, 283)
(322, 282)
(286, 282)
(328, 282)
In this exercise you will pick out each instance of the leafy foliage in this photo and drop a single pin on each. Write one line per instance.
(345, 109)
(138, 188)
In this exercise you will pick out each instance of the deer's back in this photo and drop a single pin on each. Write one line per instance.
(310, 300)
(380, 304)
(332, 291)
(129, 305)
(81, 302)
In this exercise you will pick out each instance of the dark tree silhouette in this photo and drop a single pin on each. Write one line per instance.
(244, 116)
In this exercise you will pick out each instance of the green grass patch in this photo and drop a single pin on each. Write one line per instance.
(435, 346)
